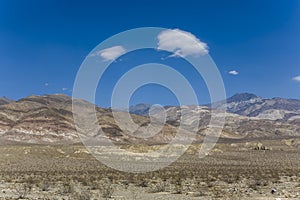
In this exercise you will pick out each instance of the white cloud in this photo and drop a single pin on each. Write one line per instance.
(111, 53)
(233, 72)
(181, 43)
(296, 78)
(64, 89)
(46, 84)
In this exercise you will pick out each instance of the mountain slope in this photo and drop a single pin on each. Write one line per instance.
(38, 119)
(236, 126)
(253, 106)
(4, 100)
(248, 115)
(49, 119)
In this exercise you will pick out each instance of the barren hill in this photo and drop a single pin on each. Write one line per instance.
(48, 119)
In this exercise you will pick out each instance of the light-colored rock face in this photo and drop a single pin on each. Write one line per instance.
(254, 106)
(272, 114)
(248, 105)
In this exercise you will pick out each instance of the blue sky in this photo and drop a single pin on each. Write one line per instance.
(43, 43)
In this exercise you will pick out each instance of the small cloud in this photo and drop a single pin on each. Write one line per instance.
(111, 53)
(181, 43)
(64, 89)
(46, 84)
(296, 78)
(233, 72)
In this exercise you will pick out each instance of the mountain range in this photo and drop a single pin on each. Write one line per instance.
(254, 106)
(247, 104)
(48, 119)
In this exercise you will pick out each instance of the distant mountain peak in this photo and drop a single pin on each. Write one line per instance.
(238, 97)
(140, 109)
(142, 105)
(4, 100)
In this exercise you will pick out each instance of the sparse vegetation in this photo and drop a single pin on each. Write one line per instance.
(23, 190)
(106, 189)
(236, 172)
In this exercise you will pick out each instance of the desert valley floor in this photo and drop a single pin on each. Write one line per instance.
(234, 169)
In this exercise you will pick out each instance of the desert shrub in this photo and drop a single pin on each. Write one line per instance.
(125, 183)
(45, 186)
(254, 185)
(106, 188)
(82, 195)
(23, 190)
(133, 193)
(197, 188)
(142, 183)
(67, 188)
(160, 186)
(178, 186)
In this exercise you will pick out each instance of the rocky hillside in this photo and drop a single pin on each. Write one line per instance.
(48, 119)
(38, 119)
(246, 104)
(236, 126)
(247, 116)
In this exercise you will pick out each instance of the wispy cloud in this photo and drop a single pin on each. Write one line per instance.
(111, 53)
(296, 78)
(46, 84)
(181, 43)
(233, 72)
(64, 89)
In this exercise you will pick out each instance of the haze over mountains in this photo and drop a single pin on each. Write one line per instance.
(48, 119)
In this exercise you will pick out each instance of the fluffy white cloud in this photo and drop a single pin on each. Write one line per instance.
(64, 89)
(111, 53)
(233, 72)
(296, 78)
(181, 43)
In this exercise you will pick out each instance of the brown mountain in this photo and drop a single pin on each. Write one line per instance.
(48, 119)
(38, 119)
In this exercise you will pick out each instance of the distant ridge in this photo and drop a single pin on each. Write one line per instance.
(251, 105)
(248, 104)
(4, 100)
(239, 97)
(140, 109)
